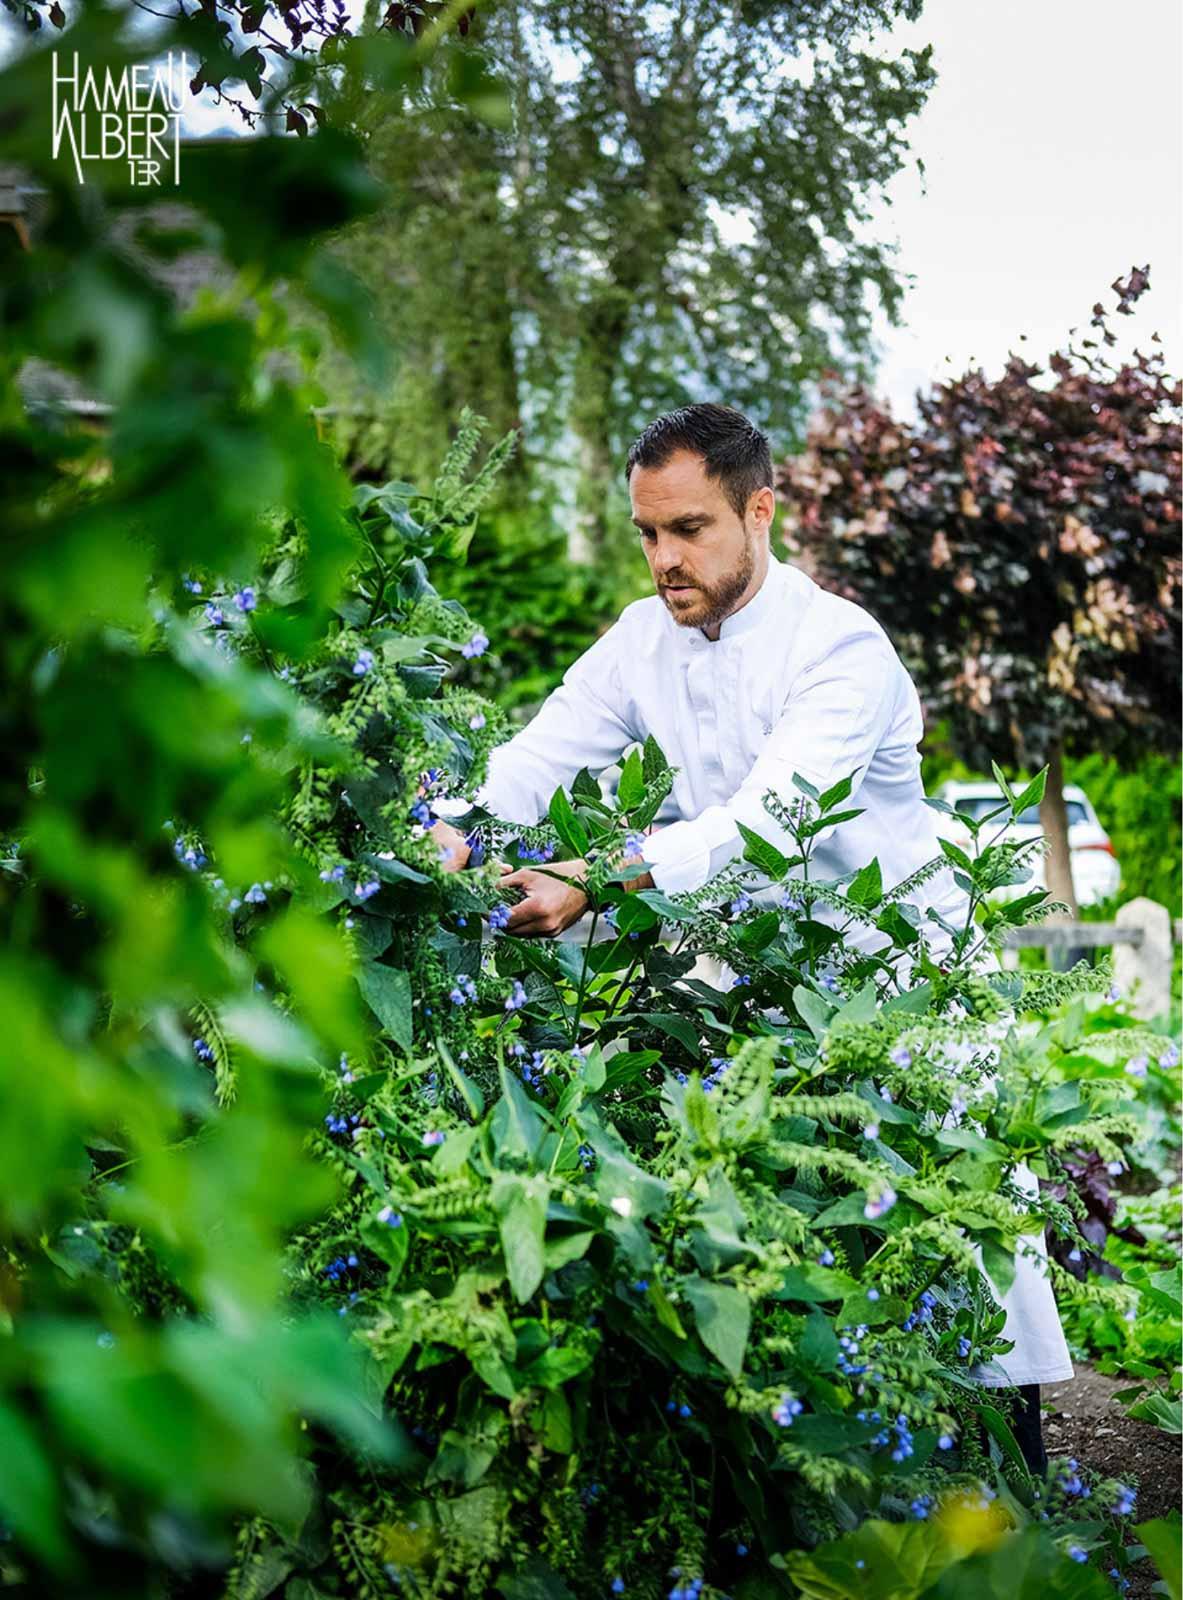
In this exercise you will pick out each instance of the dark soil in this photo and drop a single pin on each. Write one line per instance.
(1082, 1419)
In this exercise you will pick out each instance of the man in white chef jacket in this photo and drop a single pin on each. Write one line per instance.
(744, 671)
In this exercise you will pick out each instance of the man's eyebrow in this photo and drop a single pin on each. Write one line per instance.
(682, 524)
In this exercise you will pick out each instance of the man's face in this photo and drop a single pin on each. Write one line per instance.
(705, 558)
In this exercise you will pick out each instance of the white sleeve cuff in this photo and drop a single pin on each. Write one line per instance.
(677, 858)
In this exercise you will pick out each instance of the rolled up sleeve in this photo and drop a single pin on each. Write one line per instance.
(839, 713)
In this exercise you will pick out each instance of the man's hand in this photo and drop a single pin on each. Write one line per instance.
(550, 904)
(453, 842)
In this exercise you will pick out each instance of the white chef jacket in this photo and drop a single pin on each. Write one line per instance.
(799, 680)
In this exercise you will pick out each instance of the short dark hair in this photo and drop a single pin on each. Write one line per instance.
(733, 449)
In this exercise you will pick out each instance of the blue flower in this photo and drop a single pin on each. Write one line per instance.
(498, 919)
(420, 812)
(476, 646)
(1126, 1497)
(363, 664)
(333, 874)
(192, 584)
(392, 1218)
(1170, 1056)
(871, 1131)
(516, 998)
(1137, 1067)
(872, 1294)
(246, 599)
(964, 1346)
(367, 890)
(476, 722)
(1075, 1553)
(744, 978)
(255, 895)
(634, 843)
(878, 1205)
(920, 1506)
(202, 1050)
(215, 615)
(641, 1286)
(433, 1136)
(826, 1259)
(945, 1442)
(741, 903)
(901, 1057)
(617, 1586)
(786, 1409)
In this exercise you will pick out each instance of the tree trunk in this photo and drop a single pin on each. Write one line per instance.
(1053, 816)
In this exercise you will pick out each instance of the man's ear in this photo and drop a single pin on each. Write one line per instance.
(762, 506)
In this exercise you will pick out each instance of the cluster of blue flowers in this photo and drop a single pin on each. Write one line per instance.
(922, 1313)
(190, 855)
(743, 980)
(850, 1345)
(337, 1271)
(363, 664)
(741, 903)
(786, 1408)
(964, 1346)
(342, 1124)
(516, 998)
(246, 599)
(498, 919)
(1126, 1500)
(422, 813)
(587, 1157)
(675, 1409)
(464, 991)
(202, 1050)
(530, 852)
(256, 895)
(921, 1506)
(333, 874)
(688, 1590)
(634, 844)
(476, 646)
(367, 890)
(391, 1217)
(193, 585)
(719, 1065)
(790, 901)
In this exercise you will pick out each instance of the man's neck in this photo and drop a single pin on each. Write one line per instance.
(711, 630)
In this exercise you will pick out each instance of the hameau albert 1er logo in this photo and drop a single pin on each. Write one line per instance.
(132, 116)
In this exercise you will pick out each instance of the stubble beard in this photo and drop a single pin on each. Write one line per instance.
(710, 605)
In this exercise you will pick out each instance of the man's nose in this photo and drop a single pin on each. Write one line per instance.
(666, 556)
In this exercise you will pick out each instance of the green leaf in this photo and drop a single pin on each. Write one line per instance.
(1000, 780)
(29, 1495)
(1162, 1538)
(667, 909)
(1032, 795)
(519, 1204)
(999, 1262)
(814, 1012)
(387, 992)
(568, 826)
(631, 788)
(818, 1345)
(516, 1127)
(654, 763)
(867, 888)
(678, 1027)
(766, 857)
(585, 786)
(804, 786)
(389, 1244)
(999, 1429)
(956, 854)
(837, 792)
(723, 1317)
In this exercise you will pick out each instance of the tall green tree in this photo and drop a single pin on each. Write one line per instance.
(1020, 543)
(672, 206)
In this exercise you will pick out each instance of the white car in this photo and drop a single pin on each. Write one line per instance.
(1096, 873)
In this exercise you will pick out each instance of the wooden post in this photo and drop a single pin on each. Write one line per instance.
(1143, 971)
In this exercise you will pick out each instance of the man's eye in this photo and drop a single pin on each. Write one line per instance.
(647, 534)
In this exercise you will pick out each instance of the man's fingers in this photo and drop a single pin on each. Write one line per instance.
(521, 877)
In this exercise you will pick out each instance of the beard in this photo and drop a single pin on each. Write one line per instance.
(709, 603)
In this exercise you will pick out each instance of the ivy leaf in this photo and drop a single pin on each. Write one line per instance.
(723, 1316)
(387, 992)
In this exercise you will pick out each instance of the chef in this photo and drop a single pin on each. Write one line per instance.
(745, 671)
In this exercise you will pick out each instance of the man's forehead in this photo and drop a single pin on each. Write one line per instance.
(678, 489)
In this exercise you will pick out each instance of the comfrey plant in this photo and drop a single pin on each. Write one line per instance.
(661, 1280)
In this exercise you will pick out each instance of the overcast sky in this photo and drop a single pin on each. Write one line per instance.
(1053, 143)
